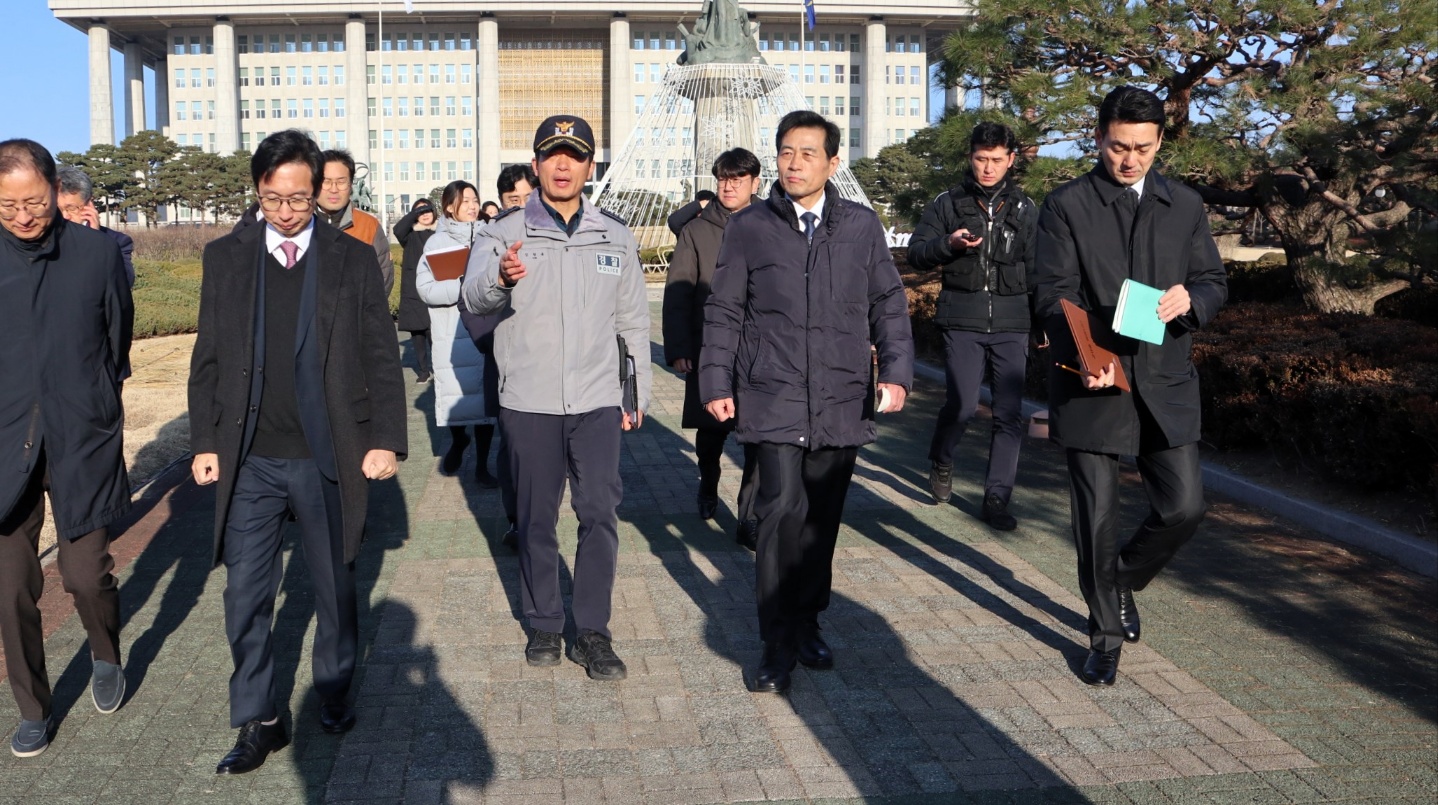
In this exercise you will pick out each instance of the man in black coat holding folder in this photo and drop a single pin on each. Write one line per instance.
(1124, 221)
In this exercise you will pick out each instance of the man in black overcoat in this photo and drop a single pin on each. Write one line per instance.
(66, 307)
(296, 402)
(1123, 220)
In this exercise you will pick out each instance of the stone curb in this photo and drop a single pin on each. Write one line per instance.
(1412, 553)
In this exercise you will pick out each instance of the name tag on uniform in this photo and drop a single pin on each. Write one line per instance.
(608, 263)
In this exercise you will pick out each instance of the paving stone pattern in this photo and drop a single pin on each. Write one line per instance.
(1275, 668)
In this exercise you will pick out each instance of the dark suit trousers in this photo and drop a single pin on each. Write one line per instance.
(266, 491)
(969, 357)
(800, 503)
(545, 450)
(1174, 483)
(85, 571)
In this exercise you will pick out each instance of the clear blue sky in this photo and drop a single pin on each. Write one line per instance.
(46, 94)
(52, 105)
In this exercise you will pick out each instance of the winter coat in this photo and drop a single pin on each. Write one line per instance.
(1083, 255)
(789, 324)
(556, 339)
(413, 312)
(458, 364)
(365, 228)
(347, 358)
(691, 271)
(68, 319)
(985, 289)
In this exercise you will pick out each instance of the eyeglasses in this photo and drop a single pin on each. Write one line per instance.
(338, 184)
(272, 204)
(737, 181)
(37, 209)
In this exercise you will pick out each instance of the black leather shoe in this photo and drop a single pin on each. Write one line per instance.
(708, 506)
(774, 672)
(813, 651)
(544, 649)
(748, 534)
(337, 717)
(1101, 667)
(257, 740)
(941, 482)
(1128, 615)
(595, 652)
(454, 456)
(511, 537)
(996, 513)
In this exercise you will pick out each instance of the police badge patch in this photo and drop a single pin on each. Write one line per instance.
(608, 263)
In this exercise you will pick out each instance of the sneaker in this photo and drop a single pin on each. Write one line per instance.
(544, 649)
(595, 652)
(107, 686)
(422, 379)
(996, 513)
(941, 482)
(31, 737)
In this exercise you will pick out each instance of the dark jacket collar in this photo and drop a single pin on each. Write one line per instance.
(1108, 190)
(969, 186)
(715, 213)
(40, 248)
(779, 202)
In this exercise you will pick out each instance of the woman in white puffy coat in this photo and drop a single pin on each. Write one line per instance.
(458, 365)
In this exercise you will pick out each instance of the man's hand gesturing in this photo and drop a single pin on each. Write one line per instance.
(511, 268)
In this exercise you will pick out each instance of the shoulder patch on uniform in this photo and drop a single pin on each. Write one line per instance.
(609, 214)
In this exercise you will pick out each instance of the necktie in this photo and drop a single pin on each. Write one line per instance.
(291, 250)
(809, 220)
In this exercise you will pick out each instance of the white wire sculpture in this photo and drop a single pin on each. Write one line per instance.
(700, 111)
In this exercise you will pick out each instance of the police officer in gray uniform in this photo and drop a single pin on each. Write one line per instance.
(565, 278)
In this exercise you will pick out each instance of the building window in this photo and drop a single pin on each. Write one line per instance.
(180, 79)
(369, 46)
(669, 41)
(418, 73)
(466, 42)
(324, 107)
(340, 139)
(324, 76)
(195, 78)
(794, 73)
(824, 43)
(404, 107)
(763, 43)
(854, 104)
(373, 139)
(289, 43)
(370, 103)
(309, 107)
(369, 74)
(242, 43)
(402, 76)
(182, 140)
(180, 110)
(434, 143)
(824, 105)
(244, 76)
(292, 109)
(339, 107)
(854, 141)
(388, 139)
(434, 74)
(275, 108)
(466, 106)
(403, 170)
(794, 42)
(449, 40)
(324, 140)
(306, 43)
(389, 177)
(639, 172)
(453, 171)
(419, 171)
(307, 77)
(638, 104)
(416, 41)
(290, 75)
(387, 44)
(914, 45)
(654, 40)
(854, 74)
(404, 138)
(466, 73)
(466, 139)
(339, 75)
(210, 51)
(179, 48)
(386, 74)
(274, 43)
(838, 104)
(419, 106)
(823, 74)
(322, 42)
(449, 105)
(449, 74)
(838, 74)
(638, 73)
(388, 106)
(434, 42)
(449, 138)
(914, 76)
(434, 105)
(809, 44)
(656, 73)
(244, 110)
(260, 110)
(244, 141)
(913, 107)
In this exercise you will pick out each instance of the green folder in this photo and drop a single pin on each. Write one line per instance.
(1137, 313)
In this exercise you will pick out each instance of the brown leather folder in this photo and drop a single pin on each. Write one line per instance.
(1092, 357)
(448, 264)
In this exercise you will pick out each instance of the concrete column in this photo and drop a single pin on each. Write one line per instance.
(102, 105)
(134, 89)
(227, 88)
(487, 146)
(875, 91)
(356, 92)
(620, 107)
(162, 95)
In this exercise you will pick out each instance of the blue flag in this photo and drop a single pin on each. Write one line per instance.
(809, 12)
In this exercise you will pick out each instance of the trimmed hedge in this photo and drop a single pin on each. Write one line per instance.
(167, 297)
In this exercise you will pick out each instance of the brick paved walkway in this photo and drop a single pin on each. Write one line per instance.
(1275, 668)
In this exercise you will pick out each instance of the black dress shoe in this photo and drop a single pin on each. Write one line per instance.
(1128, 615)
(813, 651)
(544, 649)
(257, 740)
(748, 534)
(708, 506)
(336, 717)
(1101, 667)
(511, 537)
(773, 673)
(941, 482)
(996, 513)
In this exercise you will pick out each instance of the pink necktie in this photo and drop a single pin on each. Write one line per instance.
(291, 250)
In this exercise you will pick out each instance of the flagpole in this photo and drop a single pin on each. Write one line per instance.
(379, 62)
(803, 20)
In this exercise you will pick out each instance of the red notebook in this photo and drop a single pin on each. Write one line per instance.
(1092, 357)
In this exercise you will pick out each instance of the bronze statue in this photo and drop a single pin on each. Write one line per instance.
(723, 34)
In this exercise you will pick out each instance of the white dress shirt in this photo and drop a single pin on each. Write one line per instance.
(273, 239)
(799, 210)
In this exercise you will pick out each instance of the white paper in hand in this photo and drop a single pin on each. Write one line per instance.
(885, 400)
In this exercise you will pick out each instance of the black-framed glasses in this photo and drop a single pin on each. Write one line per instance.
(272, 204)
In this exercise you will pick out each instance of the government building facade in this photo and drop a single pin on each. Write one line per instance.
(455, 88)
